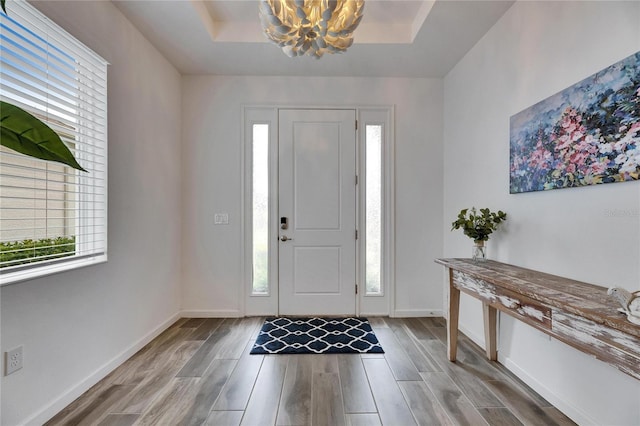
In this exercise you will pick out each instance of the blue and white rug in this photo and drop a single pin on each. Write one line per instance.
(316, 336)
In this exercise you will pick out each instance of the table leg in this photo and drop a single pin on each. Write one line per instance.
(490, 320)
(452, 321)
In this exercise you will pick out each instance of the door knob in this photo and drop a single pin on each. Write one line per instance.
(285, 238)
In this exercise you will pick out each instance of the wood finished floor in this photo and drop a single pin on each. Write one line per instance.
(199, 372)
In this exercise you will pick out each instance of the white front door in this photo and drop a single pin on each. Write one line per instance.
(317, 206)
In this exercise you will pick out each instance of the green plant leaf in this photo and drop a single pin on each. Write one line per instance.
(476, 226)
(24, 133)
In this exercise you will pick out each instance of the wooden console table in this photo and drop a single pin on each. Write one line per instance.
(579, 314)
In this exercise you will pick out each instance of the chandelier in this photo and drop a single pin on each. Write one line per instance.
(311, 27)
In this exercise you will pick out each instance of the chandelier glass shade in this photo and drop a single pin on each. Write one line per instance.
(311, 27)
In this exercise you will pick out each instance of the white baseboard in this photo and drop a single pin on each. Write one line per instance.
(409, 313)
(478, 339)
(373, 314)
(259, 314)
(569, 410)
(81, 387)
(574, 413)
(215, 313)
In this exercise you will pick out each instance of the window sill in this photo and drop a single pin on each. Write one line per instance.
(8, 278)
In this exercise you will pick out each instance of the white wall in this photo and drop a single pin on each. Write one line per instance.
(73, 324)
(212, 158)
(534, 51)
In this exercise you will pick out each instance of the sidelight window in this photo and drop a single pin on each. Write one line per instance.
(373, 209)
(260, 201)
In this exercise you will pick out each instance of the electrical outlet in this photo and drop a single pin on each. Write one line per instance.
(13, 360)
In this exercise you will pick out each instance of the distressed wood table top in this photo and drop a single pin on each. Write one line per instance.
(579, 314)
(585, 300)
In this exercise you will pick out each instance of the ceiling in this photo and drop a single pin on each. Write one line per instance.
(396, 38)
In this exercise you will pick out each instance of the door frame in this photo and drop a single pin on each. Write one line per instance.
(267, 304)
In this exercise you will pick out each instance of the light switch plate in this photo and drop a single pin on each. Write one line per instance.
(221, 219)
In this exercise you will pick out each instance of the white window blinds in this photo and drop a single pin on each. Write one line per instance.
(52, 217)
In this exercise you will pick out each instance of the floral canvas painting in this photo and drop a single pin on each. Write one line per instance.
(586, 134)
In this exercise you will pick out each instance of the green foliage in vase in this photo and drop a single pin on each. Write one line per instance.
(478, 224)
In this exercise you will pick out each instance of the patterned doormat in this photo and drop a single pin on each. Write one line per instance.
(316, 336)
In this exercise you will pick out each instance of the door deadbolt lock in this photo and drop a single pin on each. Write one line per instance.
(284, 223)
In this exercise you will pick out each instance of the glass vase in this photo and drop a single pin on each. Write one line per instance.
(479, 253)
